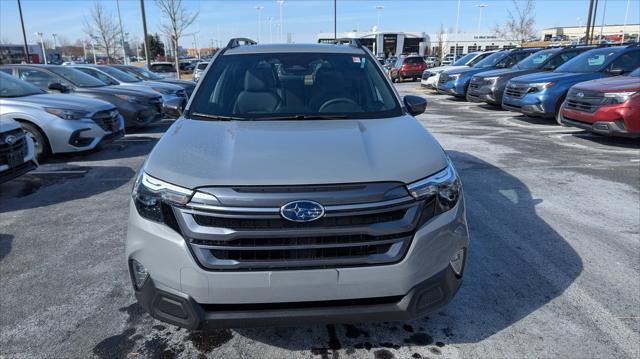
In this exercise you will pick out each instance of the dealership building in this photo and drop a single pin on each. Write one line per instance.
(577, 32)
(386, 44)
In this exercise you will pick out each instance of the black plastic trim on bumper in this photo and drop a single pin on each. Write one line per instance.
(17, 171)
(612, 128)
(183, 311)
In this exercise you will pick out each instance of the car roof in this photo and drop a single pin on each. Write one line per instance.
(293, 48)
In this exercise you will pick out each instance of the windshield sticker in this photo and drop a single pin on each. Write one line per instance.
(356, 59)
(597, 60)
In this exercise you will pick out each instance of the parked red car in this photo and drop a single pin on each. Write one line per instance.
(408, 67)
(608, 106)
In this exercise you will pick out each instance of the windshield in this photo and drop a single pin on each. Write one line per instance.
(464, 60)
(77, 78)
(141, 73)
(295, 86)
(491, 60)
(12, 87)
(536, 60)
(590, 61)
(635, 73)
(118, 75)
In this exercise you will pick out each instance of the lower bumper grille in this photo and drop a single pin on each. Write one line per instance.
(108, 120)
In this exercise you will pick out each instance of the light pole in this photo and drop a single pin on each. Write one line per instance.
(624, 27)
(379, 9)
(259, 8)
(604, 11)
(481, 6)
(124, 52)
(27, 57)
(93, 49)
(280, 3)
(55, 42)
(44, 52)
(455, 50)
(84, 51)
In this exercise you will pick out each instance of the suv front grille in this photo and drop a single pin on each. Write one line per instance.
(516, 91)
(20, 144)
(585, 101)
(443, 78)
(228, 238)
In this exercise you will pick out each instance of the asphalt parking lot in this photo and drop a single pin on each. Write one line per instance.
(554, 216)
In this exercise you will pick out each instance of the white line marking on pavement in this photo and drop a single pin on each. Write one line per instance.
(57, 172)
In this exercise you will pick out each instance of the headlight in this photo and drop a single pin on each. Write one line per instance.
(540, 86)
(492, 80)
(454, 76)
(150, 194)
(128, 98)
(66, 114)
(162, 90)
(618, 97)
(443, 187)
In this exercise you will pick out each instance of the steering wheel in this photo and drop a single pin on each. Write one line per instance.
(340, 100)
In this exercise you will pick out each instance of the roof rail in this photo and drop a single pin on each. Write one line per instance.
(347, 40)
(238, 41)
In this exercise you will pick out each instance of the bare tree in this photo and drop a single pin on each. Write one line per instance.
(520, 23)
(102, 28)
(179, 20)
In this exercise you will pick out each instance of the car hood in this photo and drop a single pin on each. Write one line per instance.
(508, 73)
(611, 84)
(121, 90)
(556, 76)
(195, 153)
(159, 84)
(181, 83)
(445, 68)
(64, 101)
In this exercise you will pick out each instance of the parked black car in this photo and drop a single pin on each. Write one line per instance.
(138, 108)
(489, 86)
(146, 75)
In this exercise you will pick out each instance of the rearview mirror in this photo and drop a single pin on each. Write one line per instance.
(415, 104)
(56, 86)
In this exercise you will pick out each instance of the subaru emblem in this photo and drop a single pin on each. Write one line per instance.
(302, 211)
(580, 94)
(10, 140)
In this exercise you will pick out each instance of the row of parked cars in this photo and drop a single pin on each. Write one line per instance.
(47, 109)
(579, 86)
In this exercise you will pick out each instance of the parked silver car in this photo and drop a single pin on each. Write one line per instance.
(59, 123)
(297, 188)
(17, 152)
(199, 70)
(165, 69)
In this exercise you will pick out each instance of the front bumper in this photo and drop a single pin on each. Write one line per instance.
(531, 105)
(29, 163)
(488, 94)
(455, 88)
(67, 136)
(418, 284)
(430, 82)
(138, 115)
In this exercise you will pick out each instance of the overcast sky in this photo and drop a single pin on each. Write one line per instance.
(220, 20)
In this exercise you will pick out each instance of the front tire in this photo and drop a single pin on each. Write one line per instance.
(40, 142)
(559, 108)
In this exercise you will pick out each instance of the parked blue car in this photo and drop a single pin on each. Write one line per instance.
(456, 82)
(542, 94)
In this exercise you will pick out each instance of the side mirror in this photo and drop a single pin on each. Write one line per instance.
(549, 67)
(175, 106)
(615, 71)
(56, 86)
(415, 104)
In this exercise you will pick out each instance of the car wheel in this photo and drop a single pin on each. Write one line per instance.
(40, 142)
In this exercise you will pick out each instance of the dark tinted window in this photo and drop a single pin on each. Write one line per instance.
(536, 60)
(163, 68)
(76, 77)
(118, 75)
(97, 74)
(12, 87)
(491, 60)
(202, 65)
(7, 70)
(413, 60)
(464, 60)
(254, 86)
(628, 61)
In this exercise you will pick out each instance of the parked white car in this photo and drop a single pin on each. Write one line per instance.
(17, 153)
(431, 76)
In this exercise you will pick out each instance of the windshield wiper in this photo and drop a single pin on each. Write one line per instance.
(301, 117)
(217, 117)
